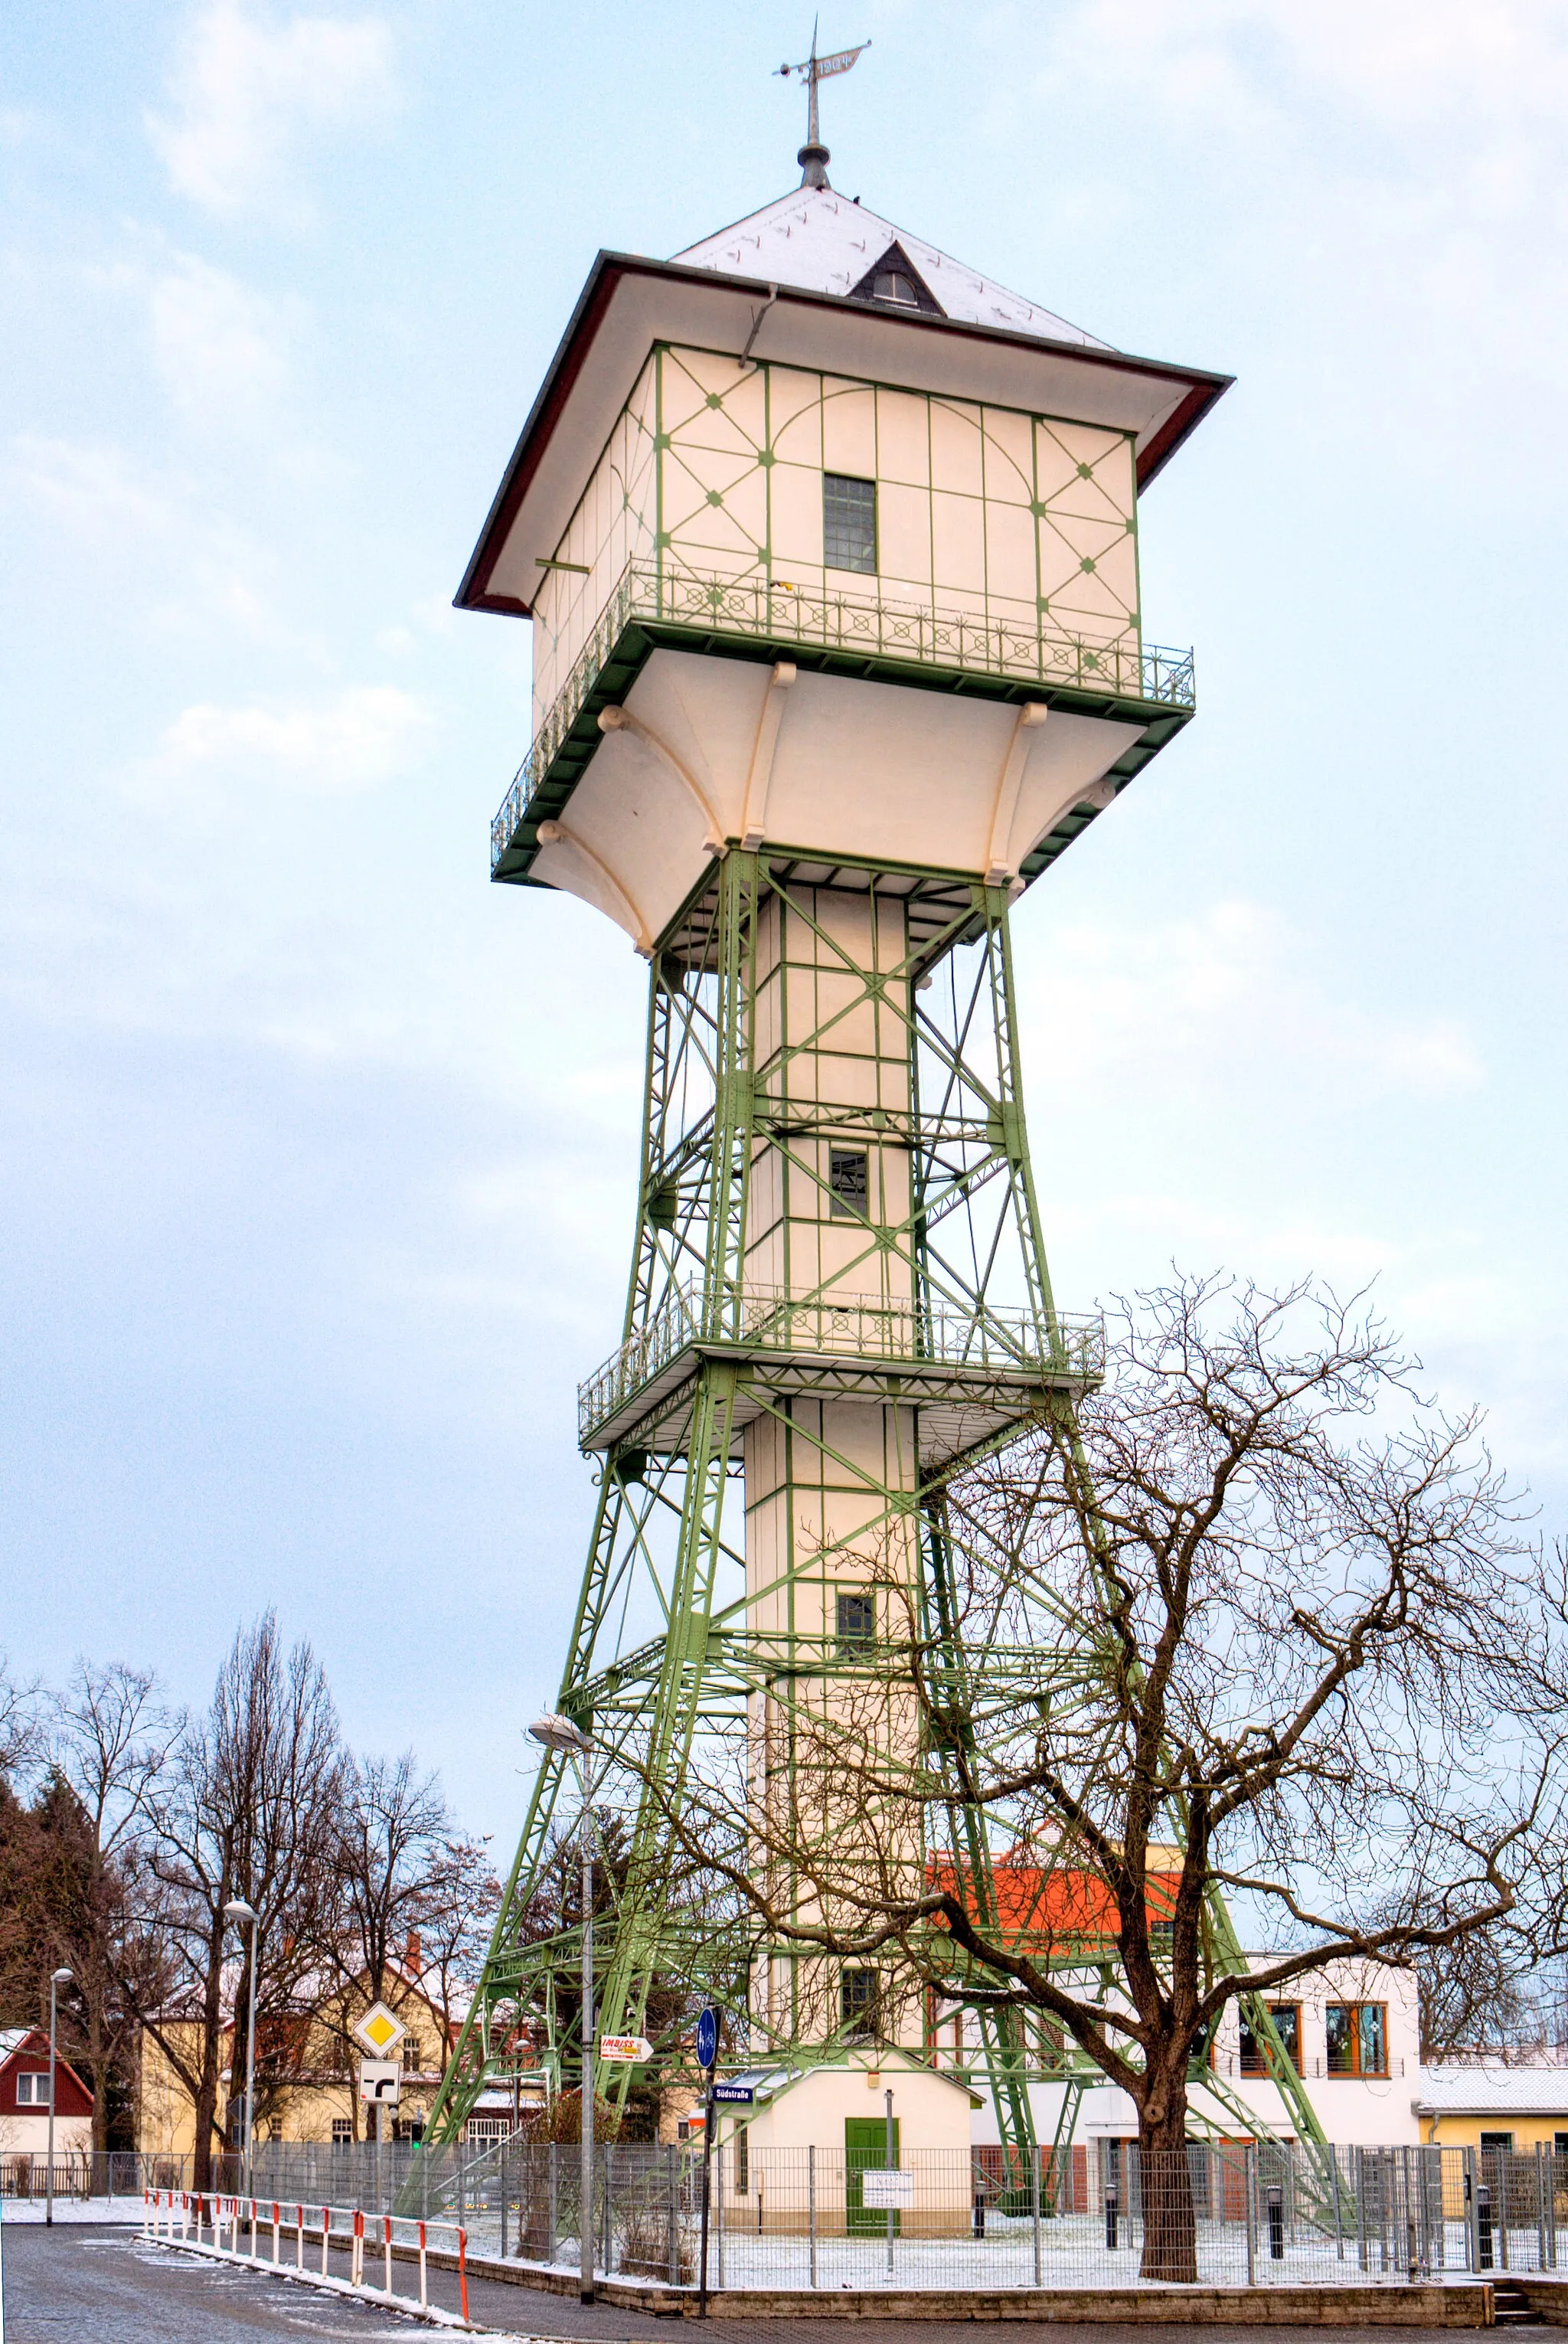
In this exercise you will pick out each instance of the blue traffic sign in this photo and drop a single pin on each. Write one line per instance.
(706, 2037)
(741, 2092)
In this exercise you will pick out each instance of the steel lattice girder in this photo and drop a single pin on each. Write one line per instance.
(715, 1102)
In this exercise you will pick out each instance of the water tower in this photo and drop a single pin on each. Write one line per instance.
(829, 545)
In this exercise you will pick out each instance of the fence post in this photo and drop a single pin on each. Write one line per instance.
(1500, 2229)
(553, 2206)
(812, 2212)
(501, 2170)
(1250, 2191)
(608, 2214)
(1034, 2204)
(1540, 2208)
(1335, 2186)
(671, 2250)
(1550, 2208)
(718, 2207)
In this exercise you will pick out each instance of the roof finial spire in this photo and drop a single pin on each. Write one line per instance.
(813, 156)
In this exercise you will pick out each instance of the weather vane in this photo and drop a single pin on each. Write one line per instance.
(813, 156)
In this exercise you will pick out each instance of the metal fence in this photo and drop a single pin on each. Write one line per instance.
(1095, 2215)
(86, 2174)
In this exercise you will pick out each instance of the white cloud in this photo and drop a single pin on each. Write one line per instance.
(190, 564)
(220, 347)
(245, 89)
(363, 735)
(1187, 1004)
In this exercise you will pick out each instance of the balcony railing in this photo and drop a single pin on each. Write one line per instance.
(916, 633)
(863, 1327)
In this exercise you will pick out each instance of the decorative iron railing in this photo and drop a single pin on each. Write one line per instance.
(1066, 1349)
(768, 610)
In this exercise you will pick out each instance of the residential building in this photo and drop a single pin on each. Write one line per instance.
(24, 2099)
(309, 2069)
(1495, 2104)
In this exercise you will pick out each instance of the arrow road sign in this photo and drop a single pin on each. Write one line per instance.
(630, 2050)
(379, 2081)
(706, 2037)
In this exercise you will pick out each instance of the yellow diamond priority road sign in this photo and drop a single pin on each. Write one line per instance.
(380, 2030)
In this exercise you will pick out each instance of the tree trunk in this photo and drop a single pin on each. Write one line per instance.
(1170, 2228)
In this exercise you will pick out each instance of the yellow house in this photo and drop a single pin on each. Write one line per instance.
(1495, 2106)
(308, 2079)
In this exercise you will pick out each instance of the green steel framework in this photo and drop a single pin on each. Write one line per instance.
(661, 1651)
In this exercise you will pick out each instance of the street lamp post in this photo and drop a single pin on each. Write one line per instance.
(245, 1916)
(58, 1978)
(560, 1734)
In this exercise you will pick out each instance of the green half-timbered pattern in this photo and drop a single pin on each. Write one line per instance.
(714, 473)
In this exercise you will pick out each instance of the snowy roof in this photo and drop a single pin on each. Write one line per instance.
(1493, 2091)
(12, 2039)
(820, 242)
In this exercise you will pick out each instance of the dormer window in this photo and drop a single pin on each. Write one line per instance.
(894, 278)
(893, 285)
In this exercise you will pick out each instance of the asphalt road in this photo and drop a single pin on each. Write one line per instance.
(80, 2285)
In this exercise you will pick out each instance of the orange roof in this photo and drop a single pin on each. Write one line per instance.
(1041, 1903)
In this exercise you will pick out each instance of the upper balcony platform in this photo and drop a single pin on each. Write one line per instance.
(1145, 690)
(969, 1373)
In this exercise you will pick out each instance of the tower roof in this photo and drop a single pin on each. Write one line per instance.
(797, 283)
(817, 240)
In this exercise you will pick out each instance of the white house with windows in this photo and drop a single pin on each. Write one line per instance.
(1350, 2028)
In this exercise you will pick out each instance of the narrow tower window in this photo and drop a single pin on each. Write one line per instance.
(848, 522)
(858, 2003)
(856, 1614)
(848, 1185)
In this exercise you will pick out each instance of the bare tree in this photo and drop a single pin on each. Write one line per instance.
(22, 1736)
(391, 1857)
(464, 1898)
(1255, 1623)
(110, 1738)
(249, 1806)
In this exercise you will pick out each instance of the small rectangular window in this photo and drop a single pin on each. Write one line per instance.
(859, 1995)
(1498, 2140)
(849, 1186)
(1286, 2018)
(342, 2132)
(1356, 2036)
(742, 2160)
(1560, 2144)
(848, 522)
(857, 1620)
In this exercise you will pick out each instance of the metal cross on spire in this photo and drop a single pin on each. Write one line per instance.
(813, 156)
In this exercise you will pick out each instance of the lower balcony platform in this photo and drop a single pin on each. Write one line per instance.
(969, 1375)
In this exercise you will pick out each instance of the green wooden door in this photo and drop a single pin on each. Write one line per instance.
(866, 2151)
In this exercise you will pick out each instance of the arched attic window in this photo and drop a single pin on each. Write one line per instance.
(895, 279)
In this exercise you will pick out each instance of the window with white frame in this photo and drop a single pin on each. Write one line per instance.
(33, 2088)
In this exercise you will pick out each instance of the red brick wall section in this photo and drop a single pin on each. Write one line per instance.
(72, 2097)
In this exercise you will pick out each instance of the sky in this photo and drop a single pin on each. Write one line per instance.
(318, 1152)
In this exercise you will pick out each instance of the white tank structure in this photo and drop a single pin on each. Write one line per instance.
(830, 549)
